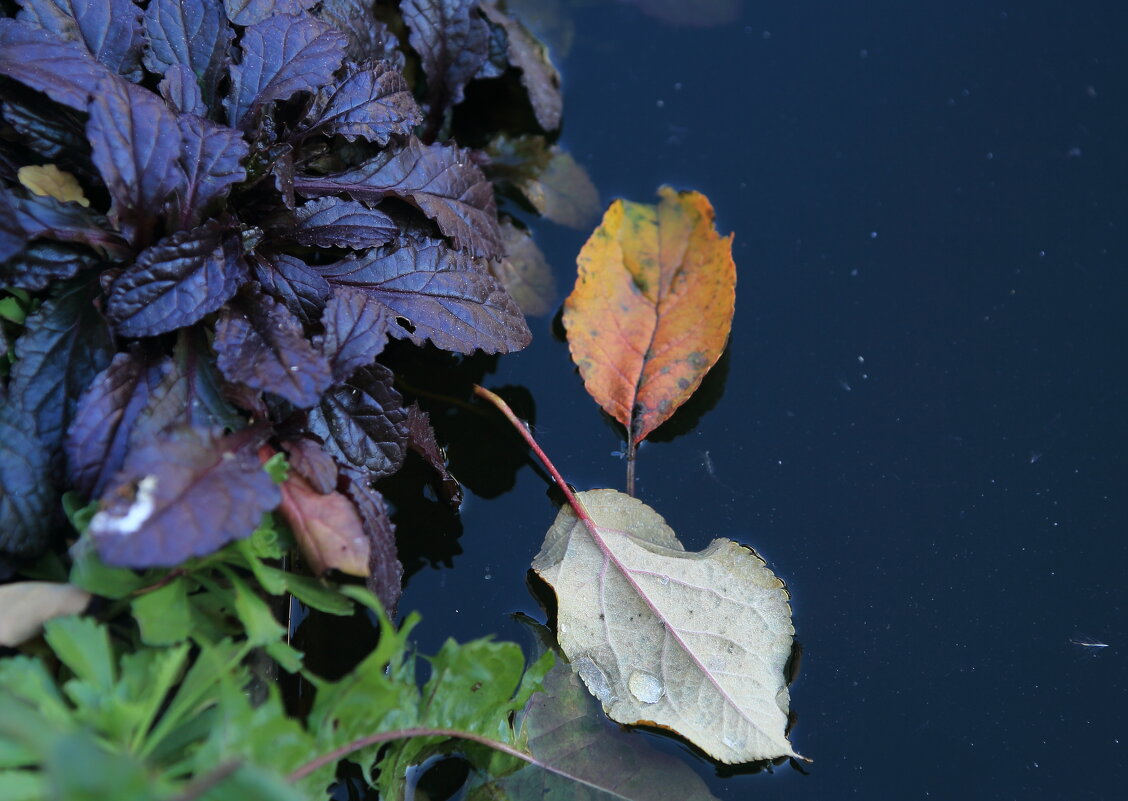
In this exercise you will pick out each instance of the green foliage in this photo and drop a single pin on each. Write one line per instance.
(161, 699)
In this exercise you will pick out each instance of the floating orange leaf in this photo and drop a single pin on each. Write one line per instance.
(652, 307)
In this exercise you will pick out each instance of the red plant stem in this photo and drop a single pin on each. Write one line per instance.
(385, 737)
(523, 429)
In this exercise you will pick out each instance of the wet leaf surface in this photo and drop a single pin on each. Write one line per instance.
(539, 76)
(652, 307)
(184, 494)
(452, 41)
(692, 642)
(370, 101)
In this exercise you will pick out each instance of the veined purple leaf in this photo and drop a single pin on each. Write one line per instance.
(54, 132)
(189, 394)
(261, 344)
(177, 281)
(441, 180)
(437, 294)
(363, 422)
(372, 101)
(385, 572)
(110, 29)
(12, 235)
(211, 157)
(310, 460)
(452, 41)
(282, 55)
(43, 262)
(539, 76)
(27, 492)
(421, 439)
(98, 437)
(136, 142)
(368, 37)
(185, 494)
(64, 345)
(332, 222)
(248, 12)
(300, 287)
(356, 329)
(74, 74)
(44, 216)
(181, 91)
(190, 33)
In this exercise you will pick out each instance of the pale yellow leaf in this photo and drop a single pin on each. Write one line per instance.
(47, 180)
(26, 605)
(693, 642)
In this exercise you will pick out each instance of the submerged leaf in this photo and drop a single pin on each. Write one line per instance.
(441, 180)
(652, 307)
(525, 272)
(539, 76)
(549, 178)
(692, 642)
(187, 493)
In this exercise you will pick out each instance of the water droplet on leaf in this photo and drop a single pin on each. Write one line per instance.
(645, 687)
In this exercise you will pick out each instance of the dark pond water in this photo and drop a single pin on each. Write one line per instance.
(920, 421)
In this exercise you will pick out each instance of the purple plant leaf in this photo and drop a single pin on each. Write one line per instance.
(185, 494)
(258, 342)
(368, 37)
(385, 572)
(64, 346)
(356, 329)
(181, 91)
(191, 393)
(332, 222)
(436, 294)
(363, 422)
(440, 180)
(12, 235)
(189, 33)
(248, 12)
(42, 262)
(421, 439)
(177, 281)
(211, 157)
(74, 75)
(99, 435)
(452, 41)
(300, 287)
(372, 102)
(109, 29)
(282, 55)
(136, 143)
(27, 492)
(539, 76)
(310, 460)
(54, 132)
(44, 216)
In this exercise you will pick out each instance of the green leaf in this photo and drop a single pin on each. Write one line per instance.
(147, 676)
(277, 467)
(22, 785)
(93, 575)
(164, 615)
(254, 613)
(84, 647)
